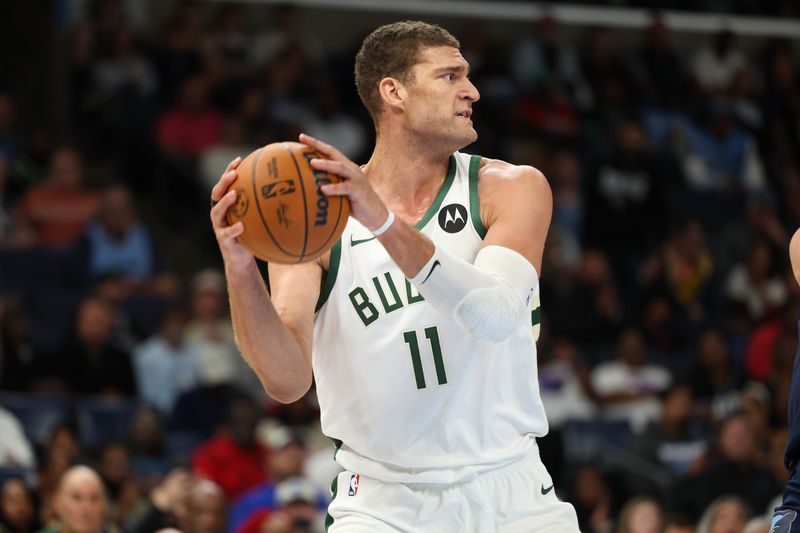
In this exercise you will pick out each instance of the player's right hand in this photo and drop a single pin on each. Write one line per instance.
(235, 255)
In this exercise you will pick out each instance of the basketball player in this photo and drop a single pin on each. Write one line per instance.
(785, 518)
(417, 324)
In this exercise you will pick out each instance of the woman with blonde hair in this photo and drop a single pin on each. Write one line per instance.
(641, 514)
(727, 514)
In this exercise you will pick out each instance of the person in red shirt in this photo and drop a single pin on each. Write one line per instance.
(58, 210)
(234, 459)
(192, 127)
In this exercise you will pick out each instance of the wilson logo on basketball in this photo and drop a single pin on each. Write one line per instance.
(320, 178)
(277, 188)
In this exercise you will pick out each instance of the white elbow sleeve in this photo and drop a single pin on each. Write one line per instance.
(487, 298)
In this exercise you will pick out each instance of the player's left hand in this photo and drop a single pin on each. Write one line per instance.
(365, 204)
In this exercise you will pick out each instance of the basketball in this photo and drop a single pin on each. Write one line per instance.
(287, 218)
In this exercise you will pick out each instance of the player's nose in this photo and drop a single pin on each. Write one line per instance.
(471, 92)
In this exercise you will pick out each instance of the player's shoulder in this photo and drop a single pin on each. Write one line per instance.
(499, 175)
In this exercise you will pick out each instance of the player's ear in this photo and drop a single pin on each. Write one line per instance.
(392, 92)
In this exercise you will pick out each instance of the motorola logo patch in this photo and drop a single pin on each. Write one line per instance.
(453, 218)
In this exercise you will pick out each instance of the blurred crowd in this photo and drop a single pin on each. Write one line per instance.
(669, 321)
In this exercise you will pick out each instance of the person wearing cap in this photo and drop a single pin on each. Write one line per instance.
(297, 510)
(287, 458)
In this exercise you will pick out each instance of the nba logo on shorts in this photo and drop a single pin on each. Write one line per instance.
(353, 490)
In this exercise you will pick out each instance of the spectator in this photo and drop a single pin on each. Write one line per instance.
(728, 513)
(628, 387)
(755, 283)
(565, 384)
(12, 233)
(287, 461)
(192, 127)
(593, 500)
(734, 472)
(296, 510)
(662, 74)
(625, 211)
(118, 245)
(89, 361)
(540, 58)
(592, 326)
(640, 515)
(15, 449)
(207, 510)
(60, 454)
(17, 507)
(114, 467)
(676, 442)
(286, 32)
(21, 361)
(687, 268)
(81, 503)
(604, 67)
(721, 159)
(756, 406)
(233, 143)
(203, 409)
(329, 123)
(717, 63)
(125, 70)
(716, 382)
(234, 459)
(146, 443)
(166, 506)
(166, 364)
(210, 331)
(58, 210)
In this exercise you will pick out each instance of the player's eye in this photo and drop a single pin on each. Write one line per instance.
(450, 76)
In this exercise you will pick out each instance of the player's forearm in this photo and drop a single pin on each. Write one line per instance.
(268, 346)
(409, 248)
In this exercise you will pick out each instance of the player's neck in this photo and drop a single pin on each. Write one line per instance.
(406, 176)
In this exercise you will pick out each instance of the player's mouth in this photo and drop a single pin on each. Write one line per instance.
(465, 114)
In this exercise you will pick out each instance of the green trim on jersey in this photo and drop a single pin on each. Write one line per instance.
(437, 202)
(474, 201)
(334, 490)
(536, 316)
(336, 444)
(330, 277)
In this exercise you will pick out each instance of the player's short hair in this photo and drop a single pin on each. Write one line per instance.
(391, 51)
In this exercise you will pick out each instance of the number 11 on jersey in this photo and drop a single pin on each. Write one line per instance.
(432, 334)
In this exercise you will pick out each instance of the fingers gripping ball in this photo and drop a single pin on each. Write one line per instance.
(287, 218)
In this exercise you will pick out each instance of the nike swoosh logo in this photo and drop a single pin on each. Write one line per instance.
(545, 491)
(435, 264)
(356, 242)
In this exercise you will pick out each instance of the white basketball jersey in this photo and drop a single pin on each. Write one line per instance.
(408, 394)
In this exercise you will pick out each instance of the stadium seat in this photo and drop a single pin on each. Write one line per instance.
(595, 440)
(38, 414)
(101, 420)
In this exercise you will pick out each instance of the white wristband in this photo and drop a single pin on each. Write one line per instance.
(386, 225)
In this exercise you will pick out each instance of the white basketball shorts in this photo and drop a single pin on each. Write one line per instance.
(517, 498)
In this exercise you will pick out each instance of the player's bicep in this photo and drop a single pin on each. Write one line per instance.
(519, 207)
(295, 290)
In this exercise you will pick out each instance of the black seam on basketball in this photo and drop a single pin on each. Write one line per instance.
(305, 205)
(258, 205)
(335, 226)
